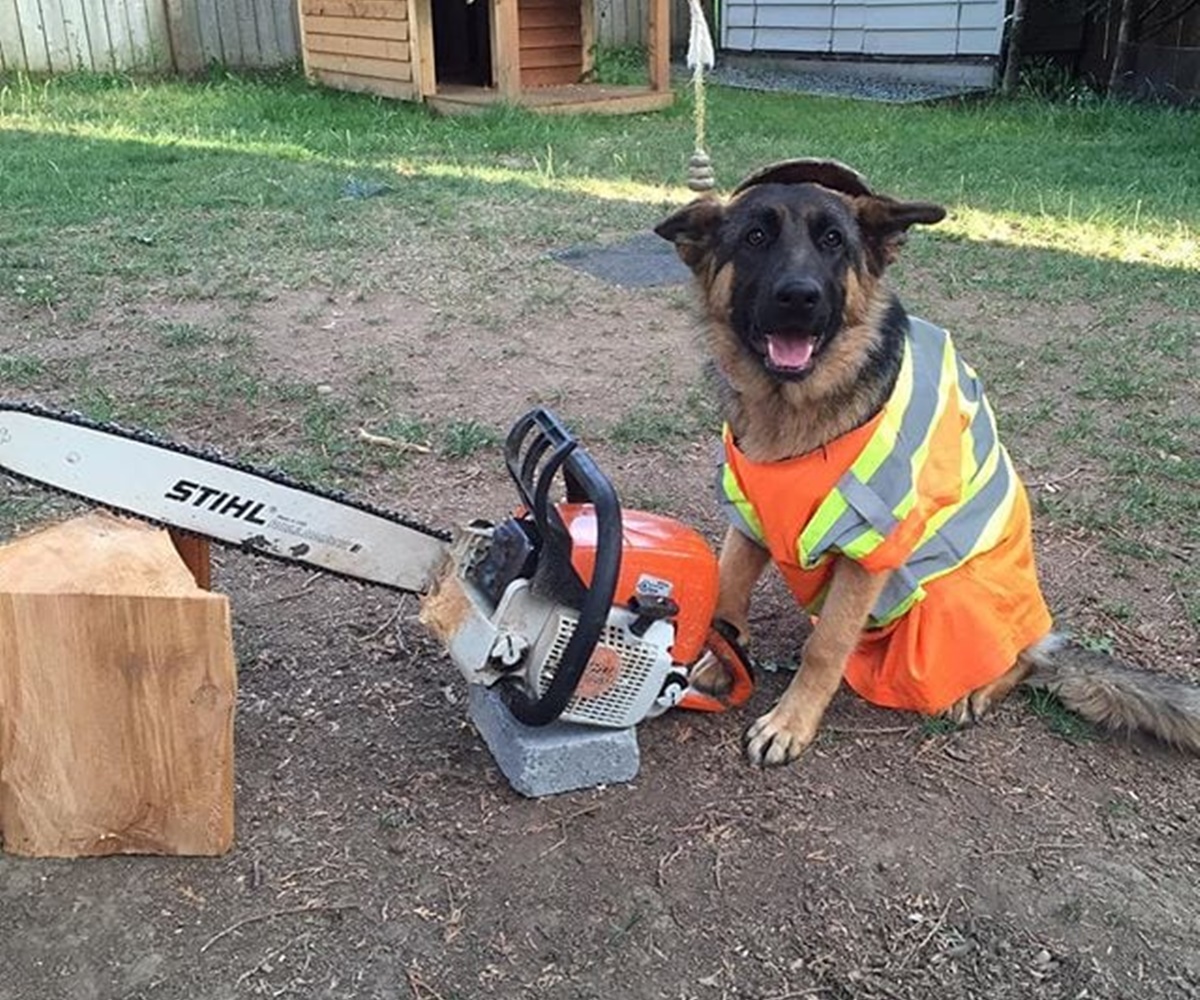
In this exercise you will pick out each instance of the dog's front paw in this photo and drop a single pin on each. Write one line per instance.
(710, 676)
(777, 738)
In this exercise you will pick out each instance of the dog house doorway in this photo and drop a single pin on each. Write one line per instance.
(462, 43)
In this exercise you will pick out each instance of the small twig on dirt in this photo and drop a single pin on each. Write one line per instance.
(868, 731)
(665, 861)
(387, 624)
(367, 437)
(1053, 481)
(290, 911)
(959, 774)
(301, 592)
(421, 989)
(563, 822)
(1032, 849)
(808, 991)
(937, 926)
(717, 869)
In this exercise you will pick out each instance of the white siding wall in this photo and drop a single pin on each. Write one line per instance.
(865, 27)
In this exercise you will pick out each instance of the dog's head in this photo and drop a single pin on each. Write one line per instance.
(793, 257)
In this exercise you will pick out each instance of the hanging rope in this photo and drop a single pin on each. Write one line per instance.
(700, 57)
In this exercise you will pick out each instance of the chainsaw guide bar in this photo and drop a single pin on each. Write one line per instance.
(199, 491)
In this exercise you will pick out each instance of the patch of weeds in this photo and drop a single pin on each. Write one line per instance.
(462, 439)
(651, 503)
(621, 65)
(1058, 718)
(1176, 340)
(322, 423)
(226, 380)
(1120, 546)
(1120, 808)
(293, 391)
(937, 725)
(1125, 382)
(182, 336)
(406, 429)
(395, 819)
(20, 371)
(1070, 911)
(1187, 585)
(38, 289)
(97, 403)
(648, 425)
(1096, 643)
(305, 467)
(1116, 920)
(1120, 610)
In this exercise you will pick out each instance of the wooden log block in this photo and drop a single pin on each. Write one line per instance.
(117, 691)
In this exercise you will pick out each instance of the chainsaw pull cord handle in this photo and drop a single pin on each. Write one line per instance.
(585, 483)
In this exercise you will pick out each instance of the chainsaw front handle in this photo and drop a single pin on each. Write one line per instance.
(537, 450)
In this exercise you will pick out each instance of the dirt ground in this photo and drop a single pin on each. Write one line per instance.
(380, 853)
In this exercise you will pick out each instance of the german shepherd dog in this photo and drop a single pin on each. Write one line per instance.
(809, 346)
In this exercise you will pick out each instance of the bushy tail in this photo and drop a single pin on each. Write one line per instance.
(1117, 695)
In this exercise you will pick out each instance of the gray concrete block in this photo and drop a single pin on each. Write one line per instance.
(560, 757)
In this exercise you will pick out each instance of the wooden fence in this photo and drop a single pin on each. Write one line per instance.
(623, 22)
(57, 36)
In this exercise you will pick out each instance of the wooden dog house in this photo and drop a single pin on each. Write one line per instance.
(460, 55)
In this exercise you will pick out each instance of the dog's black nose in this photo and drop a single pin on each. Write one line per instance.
(798, 293)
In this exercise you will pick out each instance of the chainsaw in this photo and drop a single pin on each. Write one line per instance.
(578, 609)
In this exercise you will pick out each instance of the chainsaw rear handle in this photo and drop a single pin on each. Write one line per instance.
(538, 448)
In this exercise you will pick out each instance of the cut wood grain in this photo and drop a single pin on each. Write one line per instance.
(117, 691)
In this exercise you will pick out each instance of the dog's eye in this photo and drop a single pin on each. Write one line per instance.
(756, 237)
(832, 240)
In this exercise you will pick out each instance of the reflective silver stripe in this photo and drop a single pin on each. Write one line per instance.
(868, 503)
(983, 424)
(902, 590)
(951, 544)
(893, 480)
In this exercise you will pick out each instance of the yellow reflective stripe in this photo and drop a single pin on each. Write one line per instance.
(874, 454)
(831, 508)
(863, 544)
(883, 441)
(733, 493)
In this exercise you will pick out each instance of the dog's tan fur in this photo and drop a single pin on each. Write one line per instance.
(774, 419)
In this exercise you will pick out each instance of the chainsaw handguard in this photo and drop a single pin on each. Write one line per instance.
(723, 644)
(538, 448)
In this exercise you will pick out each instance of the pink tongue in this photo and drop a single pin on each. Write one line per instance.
(790, 352)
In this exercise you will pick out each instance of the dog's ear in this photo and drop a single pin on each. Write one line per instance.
(885, 223)
(693, 230)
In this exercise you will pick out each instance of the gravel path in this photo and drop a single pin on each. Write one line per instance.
(832, 83)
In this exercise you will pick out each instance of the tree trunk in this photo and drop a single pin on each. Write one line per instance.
(117, 690)
(1122, 64)
(1012, 52)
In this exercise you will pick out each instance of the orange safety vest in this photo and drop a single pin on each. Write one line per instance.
(925, 491)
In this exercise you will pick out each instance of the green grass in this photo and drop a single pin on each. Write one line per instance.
(462, 439)
(1058, 719)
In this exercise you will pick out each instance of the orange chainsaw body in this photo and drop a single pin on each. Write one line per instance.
(659, 556)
